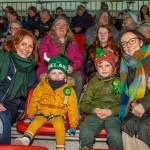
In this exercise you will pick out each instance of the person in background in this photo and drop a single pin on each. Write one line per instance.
(145, 29)
(103, 17)
(51, 100)
(4, 24)
(33, 19)
(81, 21)
(14, 26)
(4, 19)
(135, 90)
(59, 12)
(103, 39)
(45, 23)
(144, 15)
(17, 76)
(101, 103)
(60, 41)
(130, 21)
(119, 21)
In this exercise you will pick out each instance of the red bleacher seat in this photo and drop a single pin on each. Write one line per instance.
(102, 133)
(44, 130)
(79, 38)
(20, 147)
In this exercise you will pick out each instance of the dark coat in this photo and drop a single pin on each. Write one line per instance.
(138, 126)
(84, 22)
(13, 105)
(44, 28)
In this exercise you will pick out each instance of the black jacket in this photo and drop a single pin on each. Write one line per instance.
(13, 105)
(138, 126)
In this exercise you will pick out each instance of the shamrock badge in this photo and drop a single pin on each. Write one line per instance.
(100, 52)
(116, 86)
(67, 91)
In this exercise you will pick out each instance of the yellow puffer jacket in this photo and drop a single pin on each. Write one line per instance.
(47, 101)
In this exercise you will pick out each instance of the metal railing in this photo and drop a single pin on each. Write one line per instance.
(70, 6)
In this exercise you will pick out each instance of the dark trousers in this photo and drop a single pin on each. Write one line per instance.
(90, 128)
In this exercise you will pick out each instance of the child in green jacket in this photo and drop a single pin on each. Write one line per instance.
(101, 103)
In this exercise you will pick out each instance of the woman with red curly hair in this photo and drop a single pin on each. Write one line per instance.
(103, 39)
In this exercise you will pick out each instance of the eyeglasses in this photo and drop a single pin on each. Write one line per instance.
(61, 25)
(131, 42)
(15, 28)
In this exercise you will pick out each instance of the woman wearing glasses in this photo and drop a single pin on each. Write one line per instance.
(135, 87)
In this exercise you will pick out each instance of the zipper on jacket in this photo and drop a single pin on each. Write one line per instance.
(10, 83)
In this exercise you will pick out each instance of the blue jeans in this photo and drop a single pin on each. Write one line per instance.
(5, 127)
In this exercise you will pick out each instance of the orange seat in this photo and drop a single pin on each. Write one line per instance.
(18, 147)
(79, 38)
(102, 133)
(44, 130)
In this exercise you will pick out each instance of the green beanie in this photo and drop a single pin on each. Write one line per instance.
(58, 62)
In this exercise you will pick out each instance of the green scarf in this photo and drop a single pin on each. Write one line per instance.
(20, 79)
(141, 61)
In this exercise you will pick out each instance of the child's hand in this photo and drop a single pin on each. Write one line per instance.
(103, 113)
(28, 120)
(106, 113)
(72, 130)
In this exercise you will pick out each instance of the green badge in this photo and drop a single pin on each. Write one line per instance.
(116, 86)
(100, 52)
(67, 91)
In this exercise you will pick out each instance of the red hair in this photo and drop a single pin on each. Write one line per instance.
(110, 44)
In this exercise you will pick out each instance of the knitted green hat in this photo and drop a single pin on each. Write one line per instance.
(58, 62)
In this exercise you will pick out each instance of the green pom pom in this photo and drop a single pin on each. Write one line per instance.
(100, 52)
(116, 86)
(67, 91)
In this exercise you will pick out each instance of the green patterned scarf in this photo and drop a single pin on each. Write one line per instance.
(141, 61)
(20, 79)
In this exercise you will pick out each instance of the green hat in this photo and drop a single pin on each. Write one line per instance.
(58, 62)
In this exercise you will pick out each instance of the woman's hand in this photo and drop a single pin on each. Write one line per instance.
(138, 110)
(70, 69)
(2, 108)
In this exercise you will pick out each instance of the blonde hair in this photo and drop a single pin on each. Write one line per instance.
(69, 35)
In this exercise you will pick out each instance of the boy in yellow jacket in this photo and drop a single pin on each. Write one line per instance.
(51, 100)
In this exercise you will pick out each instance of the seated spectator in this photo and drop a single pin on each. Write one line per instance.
(135, 91)
(102, 18)
(103, 39)
(101, 102)
(144, 15)
(4, 23)
(17, 76)
(145, 29)
(119, 21)
(51, 100)
(59, 13)
(33, 19)
(14, 26)
(60, 41)
(81, 21)
(130, 21)
(45, 23)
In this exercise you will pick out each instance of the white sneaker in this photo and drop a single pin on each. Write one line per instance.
(22, 141)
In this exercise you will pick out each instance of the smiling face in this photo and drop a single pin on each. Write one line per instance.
(61, 28)
(56, 75)
(103, 36)
(25, 48)
(14, 28)
(130, 43)
(105, 69)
